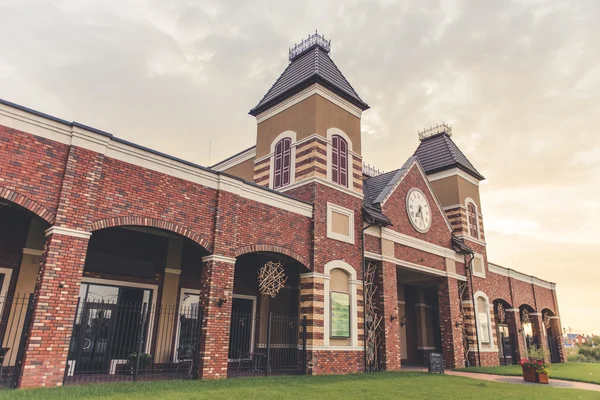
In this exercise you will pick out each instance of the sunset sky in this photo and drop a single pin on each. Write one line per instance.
(519, 82)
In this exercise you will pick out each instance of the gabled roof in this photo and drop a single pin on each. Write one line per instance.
(438, 153)
(311, 66)
(377, 189)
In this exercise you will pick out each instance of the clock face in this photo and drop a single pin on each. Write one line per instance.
(418, 210)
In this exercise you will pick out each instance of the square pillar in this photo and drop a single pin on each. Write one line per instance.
(312, 305)
(556, 329)
(513, 320)
(453, 348)
(217, 285)
(537, 325)
(54, 308)
(389, 357)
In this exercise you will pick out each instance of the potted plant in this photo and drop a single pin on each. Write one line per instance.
(145, 361)
(534, 367)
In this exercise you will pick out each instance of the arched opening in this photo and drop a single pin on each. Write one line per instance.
(507, 340)
(551, 328)
(22, 239)
(527, 327)
(138, 306)
(265, 330)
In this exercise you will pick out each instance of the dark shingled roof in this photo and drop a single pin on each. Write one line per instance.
(312, 66)
(460, 246)
(376, 189)
(438, 153)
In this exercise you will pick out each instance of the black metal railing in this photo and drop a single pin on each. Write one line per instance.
(15, 318)
(269, 344)
(133, 341)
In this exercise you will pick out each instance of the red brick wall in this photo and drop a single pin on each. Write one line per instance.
(395, 209)
(32, 166)
(335, 362)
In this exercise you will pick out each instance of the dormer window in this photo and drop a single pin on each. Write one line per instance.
(339, 160)
(472, 216)
(281, 171)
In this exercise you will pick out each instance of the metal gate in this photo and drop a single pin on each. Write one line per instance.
(272, 344)
(15, 320)
(133, 341)
(553, 346)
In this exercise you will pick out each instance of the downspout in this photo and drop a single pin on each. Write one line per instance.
(470, 269)
(362, 250)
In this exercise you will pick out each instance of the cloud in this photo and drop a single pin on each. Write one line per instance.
(518, 80)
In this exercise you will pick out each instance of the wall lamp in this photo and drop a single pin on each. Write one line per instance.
(403, 321)
(394, 316)
(222, 300)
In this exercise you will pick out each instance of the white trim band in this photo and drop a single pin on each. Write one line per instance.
(32, 252)
(173, 271)
(214, 257)
(59, 230)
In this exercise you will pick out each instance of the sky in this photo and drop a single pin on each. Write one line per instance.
(517, 80)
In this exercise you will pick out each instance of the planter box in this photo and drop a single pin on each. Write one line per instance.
(529, 374)
(542, 378)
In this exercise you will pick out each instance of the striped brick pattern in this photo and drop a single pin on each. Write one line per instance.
(262, 172)
(357, 177)
(312, 306)
(311, 159)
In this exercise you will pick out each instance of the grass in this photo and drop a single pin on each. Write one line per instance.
(581, 372)
(413, 385)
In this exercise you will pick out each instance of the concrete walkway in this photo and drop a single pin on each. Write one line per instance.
(557, 383)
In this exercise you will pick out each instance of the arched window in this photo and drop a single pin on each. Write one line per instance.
(339, 160)
(472, 215)
(281, 171)
(484, 320)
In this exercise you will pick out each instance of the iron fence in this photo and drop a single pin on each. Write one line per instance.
(268, 344)
(15, 318)
(133, 341)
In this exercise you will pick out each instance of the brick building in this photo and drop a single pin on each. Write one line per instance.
(91, 224)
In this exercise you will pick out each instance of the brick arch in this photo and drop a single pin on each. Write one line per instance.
(27, 203)
(153, 223)
(273, 249)
(549, 309)
(497, 299)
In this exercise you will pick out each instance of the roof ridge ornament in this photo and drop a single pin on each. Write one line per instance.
(306, 44)
(370, 170)
(435, 130)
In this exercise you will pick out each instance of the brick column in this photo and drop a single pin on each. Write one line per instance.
(513, 320)
(217, 283)
(312, 306)
(556, 329)
(469, 328)
(57, 287)
(452, 335)
(537, 325)
(389, 358)
(55, 304)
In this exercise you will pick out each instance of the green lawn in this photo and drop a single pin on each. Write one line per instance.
(413, 385)
(582, 372)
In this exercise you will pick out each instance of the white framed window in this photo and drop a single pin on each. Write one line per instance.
(478, 266)
(472, 219)
(339, 158)
(340, 223)
(332, 335)
(484, 321)
(282, 169)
